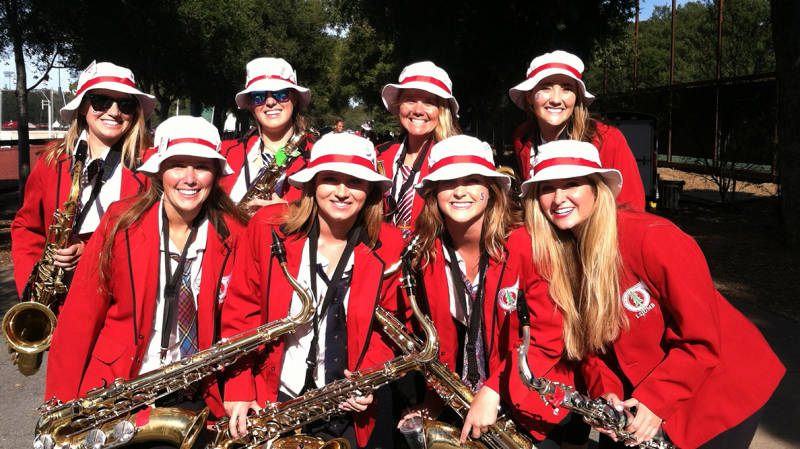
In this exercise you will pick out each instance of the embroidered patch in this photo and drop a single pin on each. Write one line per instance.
(637, 300)
(507, 297)
(223, 288)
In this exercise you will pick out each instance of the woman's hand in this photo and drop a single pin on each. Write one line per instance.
(68, 257)
(355, 403)
(643, 423)
(482, 414)
(237, 411)
(429, 409)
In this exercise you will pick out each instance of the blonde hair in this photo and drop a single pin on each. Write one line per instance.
(583, 272)
(498, 220)
(135, 139)
(581, 125)
(304, 211)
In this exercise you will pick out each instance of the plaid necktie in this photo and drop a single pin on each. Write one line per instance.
(402, 218)
(187, 312)
(89, 173)
(474, 371)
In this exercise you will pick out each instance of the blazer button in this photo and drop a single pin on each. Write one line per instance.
(272, 368)
(441, 354)
(141, 337)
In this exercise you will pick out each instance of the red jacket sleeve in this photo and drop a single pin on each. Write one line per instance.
(615, 153)
(522, 148)
(600, 379)
(28, 230)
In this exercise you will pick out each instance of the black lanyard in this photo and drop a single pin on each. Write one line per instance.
(246, 165)
(313, 240)
(171, 280)
(109, 165)
(423, 153)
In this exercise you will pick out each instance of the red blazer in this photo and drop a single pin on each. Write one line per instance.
(614, 153)
(235, 151)
(386, 154)
(691, 357)
(546, 343)
(103, 335)
(259, 294)
(46, 190)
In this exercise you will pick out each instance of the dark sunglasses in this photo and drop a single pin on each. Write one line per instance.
(260, 97)
(102, 103)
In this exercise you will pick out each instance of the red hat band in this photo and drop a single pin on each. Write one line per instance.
(427, 79)
(192, 140)
(555, 65)
(271, 77)
(564, 161)
(105, 79)
(339, 158)
(462, 160)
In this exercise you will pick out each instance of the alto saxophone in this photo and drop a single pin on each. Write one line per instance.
(110, 416)
(276, 419)
(264, 184)
(28, 326)
(596, 412)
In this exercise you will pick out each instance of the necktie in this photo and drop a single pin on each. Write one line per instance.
(336, 330)
(402, 218)
(474, 372)
(187, 312)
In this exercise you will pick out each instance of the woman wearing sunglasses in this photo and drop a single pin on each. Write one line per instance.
(149, 289)
(641, 310)
(108, 113)
(424, 104)
(336, 243)
(274, 98)
(555, 96)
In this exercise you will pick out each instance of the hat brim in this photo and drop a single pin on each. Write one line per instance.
(271, 85)
(390, 93)
(307, 174)
(462, 170)
(612, 177)
(153, 164)
(147, 101)
(518, 92)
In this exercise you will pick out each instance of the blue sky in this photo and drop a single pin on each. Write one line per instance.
(646, 6)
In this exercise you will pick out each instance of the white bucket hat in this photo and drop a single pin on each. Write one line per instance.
(105, 75)
(343, 153)
(461, 156)
(185, 135)
(271, 74)
(558, 62)
(425, 76)
(563, 159)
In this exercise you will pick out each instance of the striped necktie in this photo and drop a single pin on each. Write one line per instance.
(402, 218)
(187, 312)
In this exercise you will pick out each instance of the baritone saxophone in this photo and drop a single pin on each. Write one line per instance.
(111, 416)
(28, 326)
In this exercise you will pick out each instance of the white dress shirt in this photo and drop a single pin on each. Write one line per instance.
(109, 193)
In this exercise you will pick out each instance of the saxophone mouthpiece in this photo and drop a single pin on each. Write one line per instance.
(278, 249)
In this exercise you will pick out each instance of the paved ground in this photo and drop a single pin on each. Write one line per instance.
(780, 426)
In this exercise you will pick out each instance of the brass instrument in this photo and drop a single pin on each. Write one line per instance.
(268, 424)
(596, 412)
(28, 326)
(264, 184)
(107, 416)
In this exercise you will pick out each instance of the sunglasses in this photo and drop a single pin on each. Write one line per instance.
(102, 103)
(260, 97)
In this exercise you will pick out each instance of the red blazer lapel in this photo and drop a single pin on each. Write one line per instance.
(365, 290)
(144, 240)
(216, 259)
(279, 295)
(132, 183)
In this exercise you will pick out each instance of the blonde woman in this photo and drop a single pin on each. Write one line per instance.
(640, 308)
(424, 104)
(109, 114)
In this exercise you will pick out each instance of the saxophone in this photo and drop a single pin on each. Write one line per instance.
(110, 416)
(269, 423)
(597, 412)
(28, 326)
(264, 184)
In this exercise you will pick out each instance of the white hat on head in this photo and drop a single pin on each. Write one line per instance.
(185, 135)
(344, 153)
(105, 75)
(563, 159)
(425, 76)
(461, 156)
(271, 74)
(558, 62)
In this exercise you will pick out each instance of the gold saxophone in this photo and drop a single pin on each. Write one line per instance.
(276, 419)
(107, 416)
(264, 184)
(28, 326)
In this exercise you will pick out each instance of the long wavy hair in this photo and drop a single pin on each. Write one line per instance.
(498, 220)
(304, 211)
(135, 139)
(447, 125)
(217, 206)
(582, 270)
(581, 124)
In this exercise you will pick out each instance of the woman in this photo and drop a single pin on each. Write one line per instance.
(463, 229)
(641, 308)
(424, 104)
(554, 93)
(109, 114)
(275, 100)
(118, 330)
(333, 235)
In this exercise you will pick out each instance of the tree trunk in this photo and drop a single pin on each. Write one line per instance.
(786, 40)
(23, 142)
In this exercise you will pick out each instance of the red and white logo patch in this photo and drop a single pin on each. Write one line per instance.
(507, 297)
(637, 299)
(223, 288)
